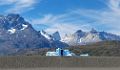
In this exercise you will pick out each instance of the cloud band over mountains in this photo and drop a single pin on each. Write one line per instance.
(75, 18)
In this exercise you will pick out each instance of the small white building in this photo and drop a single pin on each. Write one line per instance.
(51, 54)
(60, 52)
(84, 54)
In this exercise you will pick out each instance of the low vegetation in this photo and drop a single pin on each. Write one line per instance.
(105, 48)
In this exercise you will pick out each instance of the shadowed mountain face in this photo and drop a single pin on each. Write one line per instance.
(16, 34)
(54, 39)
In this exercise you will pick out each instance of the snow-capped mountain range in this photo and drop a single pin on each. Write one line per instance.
(17, 34)
(80, 37)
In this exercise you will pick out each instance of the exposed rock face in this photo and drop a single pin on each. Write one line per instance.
(56, 36)
(54, 39)
(80, 37)
(16, 34)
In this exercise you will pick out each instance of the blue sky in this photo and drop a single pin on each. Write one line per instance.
(67, 16)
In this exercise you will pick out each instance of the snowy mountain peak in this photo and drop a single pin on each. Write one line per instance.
(13, 16)
(13, 23)
(18, 34)
(80, 37)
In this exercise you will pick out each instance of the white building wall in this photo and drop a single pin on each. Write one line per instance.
(58, 53)
(84, 55)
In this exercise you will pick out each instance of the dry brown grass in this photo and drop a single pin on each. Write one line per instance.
(38, 61)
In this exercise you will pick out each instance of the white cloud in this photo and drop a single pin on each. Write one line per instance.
(66, 28)
(111, 16)
(107, 18)
(7, 2)
(46, 19)
(114, 5)
(18, 6)
(62, 23)
(51, 19)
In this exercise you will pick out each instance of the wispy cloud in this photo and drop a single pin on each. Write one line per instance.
(107, 17)
(104, 19)
(66, 28)
(64, 23)
(114, 5)
(110, 17)
(7, 2)
(46, 19)
(18, 6)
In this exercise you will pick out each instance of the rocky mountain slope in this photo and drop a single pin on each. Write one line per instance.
(17, 34)
(82, 38)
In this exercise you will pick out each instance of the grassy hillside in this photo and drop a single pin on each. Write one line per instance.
(105, 48)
